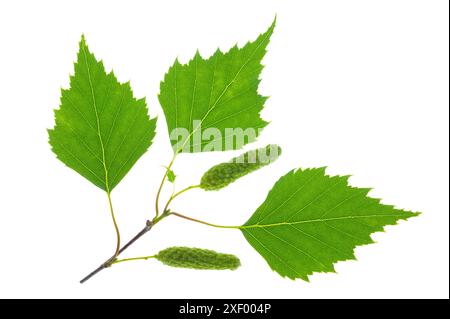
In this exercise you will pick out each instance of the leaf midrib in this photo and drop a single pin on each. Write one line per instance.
(97, 119)
(317, 220)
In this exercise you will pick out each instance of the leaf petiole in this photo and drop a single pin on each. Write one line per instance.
(116, 227)
(203, 222)
(174, 195)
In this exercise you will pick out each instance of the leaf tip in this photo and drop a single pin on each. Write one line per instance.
(410, 214)
(83, 40)
(272, 26)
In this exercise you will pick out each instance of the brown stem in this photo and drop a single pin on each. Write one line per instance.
(149, 224)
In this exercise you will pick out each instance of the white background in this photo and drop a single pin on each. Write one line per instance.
(358, 86)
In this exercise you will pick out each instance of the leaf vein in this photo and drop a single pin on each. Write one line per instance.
(296, 248)
(82, 163)
(318, 240)
(131, 154)
(276, 255)
(288, 199)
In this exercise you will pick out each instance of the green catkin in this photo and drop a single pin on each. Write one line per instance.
(223, 174)
(196, 258)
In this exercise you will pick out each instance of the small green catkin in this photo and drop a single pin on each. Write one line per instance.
(197, 258)
(221, 175)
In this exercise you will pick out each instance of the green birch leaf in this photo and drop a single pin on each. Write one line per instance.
(100, 130)
(197, 258)
(213, 104)
(309, 221)
(221, 175)
(171, 176)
